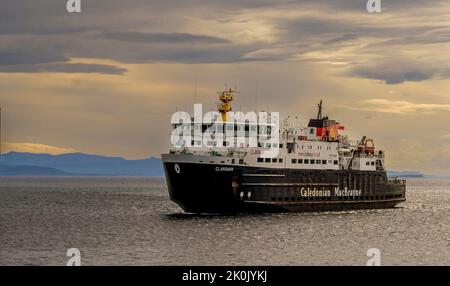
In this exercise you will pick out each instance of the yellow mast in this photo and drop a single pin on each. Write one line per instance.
(226, 97)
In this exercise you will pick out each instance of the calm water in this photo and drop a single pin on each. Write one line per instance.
(130, 221)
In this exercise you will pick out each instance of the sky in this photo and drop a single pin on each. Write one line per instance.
(108, 79)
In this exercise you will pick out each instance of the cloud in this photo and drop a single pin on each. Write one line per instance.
(28, 55)
(391, 76)
(161, 38)
(213, 32)
(34, 148)
(35, 55)
(64, 68)
(398, 106)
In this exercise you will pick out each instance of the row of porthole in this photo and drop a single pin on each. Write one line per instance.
(336, 198)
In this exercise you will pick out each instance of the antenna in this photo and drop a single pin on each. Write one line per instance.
(319, 113)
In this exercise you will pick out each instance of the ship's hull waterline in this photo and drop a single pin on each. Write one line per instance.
(219, 189)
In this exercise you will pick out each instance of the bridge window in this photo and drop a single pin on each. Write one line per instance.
(294, 161)
(274, 160)
(336, 162)
(306, 161)
(313, 162)
(317, 161)
(324, 162)
(260, 160)
(300, 161)
(280, 160)
(267, 160)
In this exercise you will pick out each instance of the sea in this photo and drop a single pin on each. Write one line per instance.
(131, 221)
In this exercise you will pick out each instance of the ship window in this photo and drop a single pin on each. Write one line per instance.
(368, 163)
(267, 160)
(300, 161)
(317, 161)
(241, 161)
(274, 160)
(260, 160)
(281, 145)
(324, 162)
(280, 160)
(313, 162)
(306, 161)
(372, 163)
(294, 161)
(336, 162)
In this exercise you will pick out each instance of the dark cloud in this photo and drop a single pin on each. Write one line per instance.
(341, 39)
(390, 76)
(142, 31)
(161, 38)
(64, 68)
(27, 55)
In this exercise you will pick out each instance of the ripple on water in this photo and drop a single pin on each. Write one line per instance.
(131, 221)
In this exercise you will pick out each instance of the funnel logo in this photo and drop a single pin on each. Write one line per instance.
(177, 168)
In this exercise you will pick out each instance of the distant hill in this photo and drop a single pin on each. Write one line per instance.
(30, 171)
(405, 174)
(83, 164)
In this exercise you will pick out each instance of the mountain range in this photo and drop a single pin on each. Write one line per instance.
(80, 164)
(16, 163)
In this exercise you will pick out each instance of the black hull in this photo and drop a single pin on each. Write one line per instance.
(218, 189)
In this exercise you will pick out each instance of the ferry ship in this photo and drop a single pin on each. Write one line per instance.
(317, 168)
